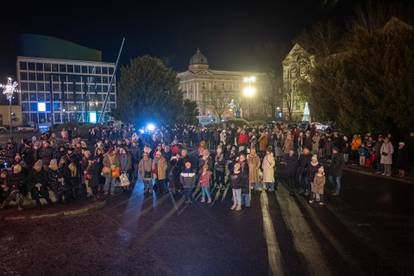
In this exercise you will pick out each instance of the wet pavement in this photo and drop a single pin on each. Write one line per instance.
(137, 235)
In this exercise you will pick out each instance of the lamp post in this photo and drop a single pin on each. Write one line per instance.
(8, 89)
(249, 91)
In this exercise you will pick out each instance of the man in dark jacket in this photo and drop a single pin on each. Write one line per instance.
(46, 154)
(291, 161)
(303, 166)
(335, 170)
(38, 183)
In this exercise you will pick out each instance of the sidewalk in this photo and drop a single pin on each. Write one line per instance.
(58, 210)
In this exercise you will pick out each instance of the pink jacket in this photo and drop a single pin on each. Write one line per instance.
(205, 179)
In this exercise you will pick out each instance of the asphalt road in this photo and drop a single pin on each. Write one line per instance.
(164, 236)
(137, 235)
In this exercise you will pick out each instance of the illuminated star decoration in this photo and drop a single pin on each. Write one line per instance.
(9, 88)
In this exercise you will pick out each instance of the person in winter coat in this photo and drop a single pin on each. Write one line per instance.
(219, 167)
(10, 190)
(173, 175)
(315, 143)
(386, 156)
(335, 171)
(303, 167)
(18, 179)
(55, 179)
(263, 142)
(73, 183)
(253, 161)
(291, 161)
(288, 145)
(160, 172)
(236, 185)
(245, 189)
(268, 167)
(187, 179)
(402, 159)
(205, 178)
(93, 174)
(38, 184)
(46, 153)
(318, 186)
(145, 170)
(363, 155)
(312, 170)
(111, 167)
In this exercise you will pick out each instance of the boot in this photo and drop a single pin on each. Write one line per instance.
(234, 206)
(238, 208)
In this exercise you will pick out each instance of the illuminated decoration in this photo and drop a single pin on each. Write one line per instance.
(306, 113)
(150, 127)
(8, 89)
(92, 117)
(41, 107)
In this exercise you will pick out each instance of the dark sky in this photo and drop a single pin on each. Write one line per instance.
(226, 31)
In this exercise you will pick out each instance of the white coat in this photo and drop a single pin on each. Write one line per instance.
(268, 167)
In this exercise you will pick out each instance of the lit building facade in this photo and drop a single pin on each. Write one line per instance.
(296, 69)
(62, 82)
(200, 82)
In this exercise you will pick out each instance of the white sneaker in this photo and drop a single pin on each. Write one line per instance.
(203, 200)
(310, 201)
(238, 208)
(209, 201)
(233, 207)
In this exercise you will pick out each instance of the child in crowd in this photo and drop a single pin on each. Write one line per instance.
(318, 186)
(205, 178)
(187, 179)
(236, 185)
(363, 153)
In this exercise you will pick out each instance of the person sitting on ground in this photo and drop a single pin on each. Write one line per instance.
(38, 184)
(10, 190)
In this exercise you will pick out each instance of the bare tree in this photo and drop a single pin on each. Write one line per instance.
(218, 101)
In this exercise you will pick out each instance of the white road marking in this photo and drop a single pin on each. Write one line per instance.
(273, 251)
(303, 237)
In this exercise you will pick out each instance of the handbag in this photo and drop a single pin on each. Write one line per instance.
(124, 180)
(106, 171)
(147, 174)
(116, 172)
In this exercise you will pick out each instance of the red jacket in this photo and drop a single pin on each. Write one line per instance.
(243, 139)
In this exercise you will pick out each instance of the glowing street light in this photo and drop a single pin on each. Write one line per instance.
(249, 91)
(8, 89)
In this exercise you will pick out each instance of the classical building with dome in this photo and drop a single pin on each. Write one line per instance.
(218, 93)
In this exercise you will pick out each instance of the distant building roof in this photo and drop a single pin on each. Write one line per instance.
(32, 45)
(198, 58)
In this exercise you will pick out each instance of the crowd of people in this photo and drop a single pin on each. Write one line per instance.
(59, 168)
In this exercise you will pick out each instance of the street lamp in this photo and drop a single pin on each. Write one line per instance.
(8, 89)
(249, 91)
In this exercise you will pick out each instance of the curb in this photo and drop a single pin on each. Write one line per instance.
(90, 208)
(403, 180)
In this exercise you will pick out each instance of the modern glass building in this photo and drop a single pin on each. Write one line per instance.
(62, 82)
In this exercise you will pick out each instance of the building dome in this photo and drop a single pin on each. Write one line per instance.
(198, 58)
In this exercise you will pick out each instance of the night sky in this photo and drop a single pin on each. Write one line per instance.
(228, 33)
